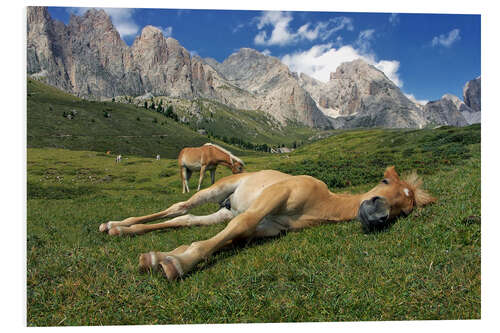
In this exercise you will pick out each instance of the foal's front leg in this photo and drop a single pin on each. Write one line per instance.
(222, 215)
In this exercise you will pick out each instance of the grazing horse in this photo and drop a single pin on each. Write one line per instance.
(265, 203)
(203, 158)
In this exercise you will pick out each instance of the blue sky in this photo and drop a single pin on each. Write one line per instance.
(426, 55)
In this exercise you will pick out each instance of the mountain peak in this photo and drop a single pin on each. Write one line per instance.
(357, 67)
(36, 14)
(93, 15)
(248, 53)
(150, 29)
(451, 97)
(472, 94)
(95, 12)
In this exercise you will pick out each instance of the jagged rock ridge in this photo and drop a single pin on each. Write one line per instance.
(450, 110)
(472, 94)
(446, 111)
(360, 95)
(89, 59)
(273, 86)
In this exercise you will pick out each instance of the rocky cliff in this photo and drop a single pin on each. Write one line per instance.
(472, 94)
(446, 111)
(272, 85)
(450, 110)
(358, 94)
(472, 98)
(89, 59)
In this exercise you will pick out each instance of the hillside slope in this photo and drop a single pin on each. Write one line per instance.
(60, 120)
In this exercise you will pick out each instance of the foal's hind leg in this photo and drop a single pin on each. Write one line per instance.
(222, 215)
(151, 260)
(215, 193)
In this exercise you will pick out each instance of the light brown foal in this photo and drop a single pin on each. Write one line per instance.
(265, 203)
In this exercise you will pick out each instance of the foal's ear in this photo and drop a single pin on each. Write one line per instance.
(390, 172)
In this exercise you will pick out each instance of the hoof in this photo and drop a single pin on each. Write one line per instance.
(148, 261)
(104, 227)
(171, 268)
(115, 231)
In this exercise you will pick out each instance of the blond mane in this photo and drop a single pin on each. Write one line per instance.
(421, 196)
(239, 160)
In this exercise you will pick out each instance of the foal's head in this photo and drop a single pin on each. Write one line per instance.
(391, 198)
(237, 167)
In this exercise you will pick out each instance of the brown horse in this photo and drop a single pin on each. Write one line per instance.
(203, 158)
(265, 203)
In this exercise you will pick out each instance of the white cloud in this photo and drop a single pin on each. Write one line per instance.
(412, 98)
(320, 60)
(446, 40)
(121, 17)
(363, 43)
(394, 19)
(390, 69)
(238, 27)
(281, 33)
(167, 31)
(266, 52)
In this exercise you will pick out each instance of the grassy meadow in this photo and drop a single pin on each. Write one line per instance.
(426, 266)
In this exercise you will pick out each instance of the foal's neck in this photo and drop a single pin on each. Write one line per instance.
(342, 206)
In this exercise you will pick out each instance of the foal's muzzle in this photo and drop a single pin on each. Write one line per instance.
(374, 214)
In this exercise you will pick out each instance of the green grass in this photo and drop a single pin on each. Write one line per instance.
(358, 156)
(426, 266)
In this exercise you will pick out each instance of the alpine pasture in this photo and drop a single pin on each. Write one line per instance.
(426, 266)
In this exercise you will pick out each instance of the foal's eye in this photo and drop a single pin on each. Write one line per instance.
(385, 181)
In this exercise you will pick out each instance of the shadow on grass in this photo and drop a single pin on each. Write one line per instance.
(237, 246)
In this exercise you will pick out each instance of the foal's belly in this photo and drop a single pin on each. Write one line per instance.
(249, 190)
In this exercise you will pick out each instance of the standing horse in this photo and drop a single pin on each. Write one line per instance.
(265, 203)
(203, 158)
